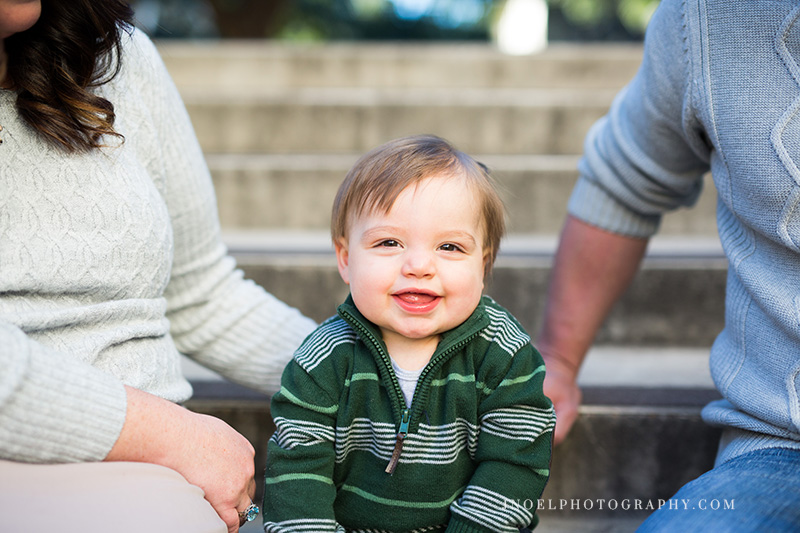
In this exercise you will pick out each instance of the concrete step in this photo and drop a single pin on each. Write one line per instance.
(639, 376)
(625, 456)
(624, 462)
(676, 299)
(257, 64)
(622, 459)
(501, 121)
(552, 523)
(535, 189)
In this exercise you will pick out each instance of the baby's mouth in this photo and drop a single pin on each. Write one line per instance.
(416, 298)
(417, 302)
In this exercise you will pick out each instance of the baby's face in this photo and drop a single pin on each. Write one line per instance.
(417, 271)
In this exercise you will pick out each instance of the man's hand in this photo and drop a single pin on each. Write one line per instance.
(563, 391)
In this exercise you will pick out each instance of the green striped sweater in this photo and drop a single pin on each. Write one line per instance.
(473, 447)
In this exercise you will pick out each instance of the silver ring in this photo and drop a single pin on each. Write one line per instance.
(248, 515)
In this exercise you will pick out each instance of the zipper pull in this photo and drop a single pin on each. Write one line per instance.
(398, 443)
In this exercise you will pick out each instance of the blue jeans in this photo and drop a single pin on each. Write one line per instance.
(756, 491)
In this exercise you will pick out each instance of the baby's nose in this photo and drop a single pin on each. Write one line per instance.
(418, 264)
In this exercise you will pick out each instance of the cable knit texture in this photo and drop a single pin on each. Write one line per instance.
(719, 89)
(111, 264)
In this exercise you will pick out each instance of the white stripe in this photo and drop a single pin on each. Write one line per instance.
(332, 333)
(491, 509)
(519, 423)
(421, 530)
(291, 433)
(429, 445)
(501, 331)
(310, 524)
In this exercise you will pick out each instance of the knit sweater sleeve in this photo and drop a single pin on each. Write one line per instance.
(54, 409)
(299, 492)
(648, 154)
(217, 317)
(514, 443)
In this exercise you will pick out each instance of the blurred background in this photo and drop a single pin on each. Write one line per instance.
(285, 95)
(325, 20)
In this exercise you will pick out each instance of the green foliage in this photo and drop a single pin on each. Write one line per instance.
(633, 14)
(322, 20)
(317, 20)
(314, 20)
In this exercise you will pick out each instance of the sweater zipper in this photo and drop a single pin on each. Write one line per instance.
(405, 418)
(398, 443)
(396, 384)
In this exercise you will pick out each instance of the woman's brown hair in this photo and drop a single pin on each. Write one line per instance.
(54, 66)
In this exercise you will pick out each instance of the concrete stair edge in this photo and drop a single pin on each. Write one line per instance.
(279, 242)
(609, 367)
(259, 63)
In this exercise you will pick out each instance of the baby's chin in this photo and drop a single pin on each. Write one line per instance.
(426, 331)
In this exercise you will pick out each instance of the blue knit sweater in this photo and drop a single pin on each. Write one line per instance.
(719, 89)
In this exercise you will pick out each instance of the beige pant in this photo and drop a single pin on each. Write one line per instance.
(102, 497)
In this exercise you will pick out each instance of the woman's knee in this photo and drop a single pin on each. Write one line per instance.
(101, 497)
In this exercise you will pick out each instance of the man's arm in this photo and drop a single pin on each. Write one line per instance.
(592, 269)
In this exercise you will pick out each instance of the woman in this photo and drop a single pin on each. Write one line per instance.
(112, 266)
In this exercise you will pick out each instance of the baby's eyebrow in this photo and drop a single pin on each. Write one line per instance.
(457, 235)
(382, 231)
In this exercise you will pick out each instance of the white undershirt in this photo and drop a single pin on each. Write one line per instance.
(408, 381)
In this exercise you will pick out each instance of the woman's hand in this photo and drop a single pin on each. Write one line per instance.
(221, 462)
(205, 450)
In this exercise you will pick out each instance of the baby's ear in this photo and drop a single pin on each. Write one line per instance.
(342, 258)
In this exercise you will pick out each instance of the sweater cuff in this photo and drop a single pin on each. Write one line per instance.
(61, 410)
(592, 204)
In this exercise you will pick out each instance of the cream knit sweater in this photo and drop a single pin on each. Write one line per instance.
(111, 264)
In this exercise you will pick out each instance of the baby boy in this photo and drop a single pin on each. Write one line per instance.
(419, 407)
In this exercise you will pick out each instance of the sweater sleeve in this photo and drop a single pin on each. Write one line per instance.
(513, 452)
(648, 154)
(217, 317)
(299, 491)
(53, 407)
